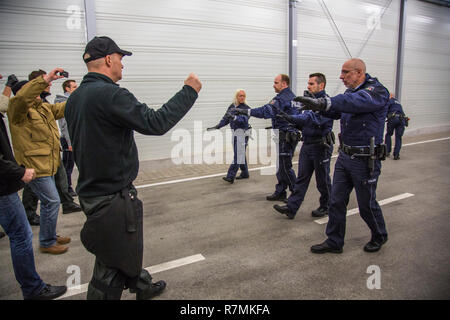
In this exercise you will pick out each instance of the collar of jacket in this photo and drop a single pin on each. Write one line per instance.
(320, 94)
(368, 77)
(95, 76)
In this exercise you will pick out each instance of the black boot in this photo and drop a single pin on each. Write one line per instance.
(145, 289)
(284, 210)
(319, 212)
(276, 197)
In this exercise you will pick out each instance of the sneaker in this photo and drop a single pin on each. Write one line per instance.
(62, 240)
(54, 249)
(49, 293)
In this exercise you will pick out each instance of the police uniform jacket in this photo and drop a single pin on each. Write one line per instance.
(238, 121)
(395, 107)
(313, 125)
(362, 112)
(282, 101)
(101, 118)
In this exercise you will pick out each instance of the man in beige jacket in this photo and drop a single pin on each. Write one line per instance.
(35, 139)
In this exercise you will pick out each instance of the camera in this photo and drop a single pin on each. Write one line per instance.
(65, 74)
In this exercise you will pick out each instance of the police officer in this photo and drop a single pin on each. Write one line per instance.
(101, 118)
(240, 127)
(396, 122)
(288, 136)
(362, 110)
(315, 154)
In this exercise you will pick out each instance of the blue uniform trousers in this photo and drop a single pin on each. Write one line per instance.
(285, 173)
(348, 174)
(313, 158)
(239, 160)
(396, 125)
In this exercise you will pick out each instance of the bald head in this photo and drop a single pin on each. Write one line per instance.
(353, 73)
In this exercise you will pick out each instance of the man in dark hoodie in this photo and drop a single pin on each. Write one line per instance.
(102, 118)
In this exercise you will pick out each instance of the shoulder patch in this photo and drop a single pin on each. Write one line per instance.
(370, 88)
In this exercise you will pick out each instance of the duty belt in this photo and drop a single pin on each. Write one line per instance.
(314, 141)
(355, 150)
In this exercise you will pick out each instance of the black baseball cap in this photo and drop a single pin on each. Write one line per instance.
(100, 47)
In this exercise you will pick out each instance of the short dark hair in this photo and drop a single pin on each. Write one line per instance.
(66, 84)
(320, 78)
(285, 78)
(35, 74)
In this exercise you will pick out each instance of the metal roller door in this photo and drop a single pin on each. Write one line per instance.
(229, 44)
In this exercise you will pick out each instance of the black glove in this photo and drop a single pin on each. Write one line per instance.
(284, 116)
(212, 128)
(12, 80)
(229, 116)
(307, 93)
(319, 104)
(245, 112)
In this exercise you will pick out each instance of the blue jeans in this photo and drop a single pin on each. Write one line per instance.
(45, 189)
(14, 221)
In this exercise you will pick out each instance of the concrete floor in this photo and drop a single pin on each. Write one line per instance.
(252, 252)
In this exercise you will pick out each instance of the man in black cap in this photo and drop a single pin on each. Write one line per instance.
(101, 118)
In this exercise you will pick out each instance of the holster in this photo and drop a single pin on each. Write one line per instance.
(293, 137)
(114, 233)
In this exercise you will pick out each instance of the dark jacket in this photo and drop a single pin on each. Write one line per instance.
(312, 124)
(238, 122)
(101, 118)
(362, 112)
(395, 107)
(10, 172)
(282, 101)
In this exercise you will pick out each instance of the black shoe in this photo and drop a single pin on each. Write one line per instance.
(49, 292)
(276, 197)
(72, 193)
(397, 157)
(241, 177)
(374, 246)
(319, 212)
(34, 219)
(71, 207)
(155, 289)
(228, 180)
(2, 234)
(324, 247)
(284, 210)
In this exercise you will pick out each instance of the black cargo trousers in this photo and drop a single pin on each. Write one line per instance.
(113, 232)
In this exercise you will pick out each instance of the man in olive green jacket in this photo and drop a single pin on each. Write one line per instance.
(35, 139)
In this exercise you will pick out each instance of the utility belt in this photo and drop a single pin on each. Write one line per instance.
(327, 140)
(371, 152)
(398, 115)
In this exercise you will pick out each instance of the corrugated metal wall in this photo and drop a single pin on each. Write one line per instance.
(426, 73)
(234, 44)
